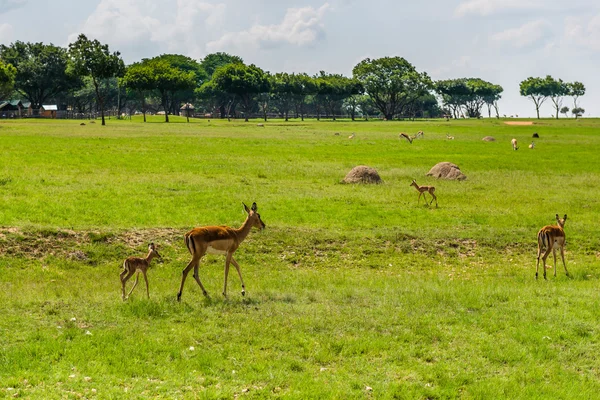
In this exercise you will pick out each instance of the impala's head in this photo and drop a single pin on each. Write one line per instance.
(254, 216)
(152, 250)
(561, 221)
(413, 183)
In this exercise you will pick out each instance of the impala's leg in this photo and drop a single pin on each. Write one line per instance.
(228, 258)
(537, 266)
(137, 276)
(146, 279)
(562, 255)
(544, 257)
(418, 199)
(197, 276)
(237, 267)
(554, 255)
(433, 197)
(185, 273)
(125, 275)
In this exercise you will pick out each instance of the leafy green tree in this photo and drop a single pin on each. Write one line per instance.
(576, 89)
(468, 93)
(564, 110)
(42, 70)
(559, 89)
(92, 58)
(282, 90)
(212, 61)
(244, 82)
(538, 90)
(366, 105)
(139, 79)
(168, 80)
(332, 89)
(303, 86)
(7, 79)
(392, 82)
(577, 112)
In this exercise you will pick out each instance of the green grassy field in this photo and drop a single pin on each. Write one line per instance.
(353, 291)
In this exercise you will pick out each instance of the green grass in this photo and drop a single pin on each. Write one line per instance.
(349, 286)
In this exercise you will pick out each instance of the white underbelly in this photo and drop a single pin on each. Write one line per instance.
(212, 250)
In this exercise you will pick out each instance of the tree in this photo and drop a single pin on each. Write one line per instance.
(332, 89)
(576, 89)
(167, 80)
(92, 58)
(43, 71)
(468, 93)
(303, 86)
(282, 90)
(392, 82)
(558, 90)
(577, 112)
(139, 79)
(538, 90)
(7, 79)
(212, 61)
(242, 81)
(564, 110)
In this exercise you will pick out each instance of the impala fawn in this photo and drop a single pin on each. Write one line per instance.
(550, 237)
(422, 190)
(133, 264)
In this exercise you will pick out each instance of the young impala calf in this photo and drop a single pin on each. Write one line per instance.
(550, 237)
(422, 190)
(218, 240)
(133, 264)
(514, 144)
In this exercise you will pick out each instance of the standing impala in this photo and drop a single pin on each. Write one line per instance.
(133, 264)
(218, 240)
(550, 237)
(422, 190)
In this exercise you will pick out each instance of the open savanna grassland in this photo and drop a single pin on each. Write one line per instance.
(353, 291)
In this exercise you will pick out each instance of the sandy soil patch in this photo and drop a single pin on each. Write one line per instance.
(518, 122)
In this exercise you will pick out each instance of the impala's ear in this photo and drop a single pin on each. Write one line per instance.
(151, 246)
(557, 217)
(254, 207)
(246, 208)
(565, 217)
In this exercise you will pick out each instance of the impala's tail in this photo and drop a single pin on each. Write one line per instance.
(189, 243)
(543, 239)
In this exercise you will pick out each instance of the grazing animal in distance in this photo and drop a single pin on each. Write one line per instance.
(514, 144)
(218, 240)
(419, 134)
(449, 137)
(532, 145)
(422, 190)
(551, 237)
(535, 135)
(136, 264)
(260, 125)
(352, 136)
(404, 135)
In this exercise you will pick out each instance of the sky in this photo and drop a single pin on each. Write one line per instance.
(500, 41)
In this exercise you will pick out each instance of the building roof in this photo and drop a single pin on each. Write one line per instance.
(49, 107)
(187, 106)
(16, 103)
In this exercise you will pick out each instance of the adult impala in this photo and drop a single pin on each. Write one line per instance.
(136, 264)
(550, 237)
(218, 240)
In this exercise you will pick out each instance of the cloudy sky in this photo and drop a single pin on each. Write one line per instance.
(502, 41)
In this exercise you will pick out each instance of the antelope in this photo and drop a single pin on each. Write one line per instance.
(404, 135)
(449, 137)
(550, 237)
(352, 136)
(532, 145)
(514, 144)
(221, 240)
(420, 133)
(422, 190)
(133, 264)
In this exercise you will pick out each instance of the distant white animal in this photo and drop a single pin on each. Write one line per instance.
(514, 144)
(449, 137)
(532, 145)
(261, 125)
(419, 134)
(352, 136)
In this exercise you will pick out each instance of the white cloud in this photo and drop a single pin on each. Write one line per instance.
(300, 27)
(488, 7)
(127, 24)
(525, 35)
(583, 32)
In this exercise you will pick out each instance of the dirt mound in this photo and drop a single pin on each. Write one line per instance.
(362, 174)
(447, 170)
(518, 122)
(489, 139)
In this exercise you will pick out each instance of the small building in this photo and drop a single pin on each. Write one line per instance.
(11, 108)
(27, 109)
(187, 110)
(48, 110)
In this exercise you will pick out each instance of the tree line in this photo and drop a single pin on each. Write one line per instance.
(87, 77)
